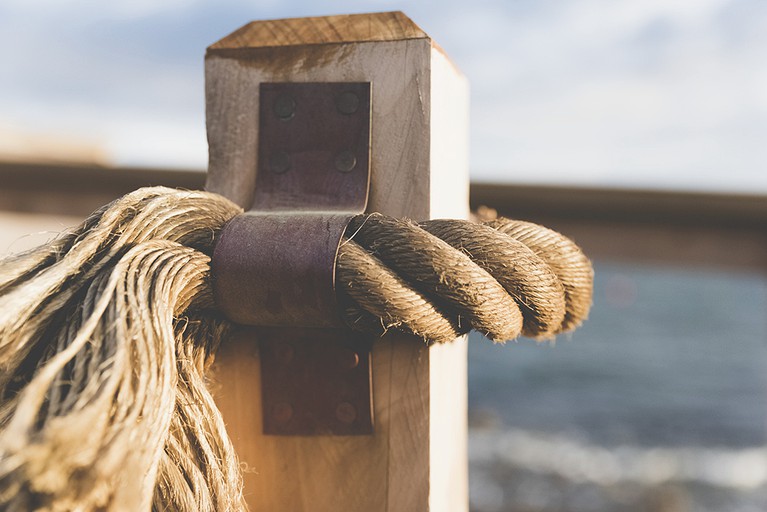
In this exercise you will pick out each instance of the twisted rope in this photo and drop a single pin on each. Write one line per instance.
(441, 278)
(107, 332)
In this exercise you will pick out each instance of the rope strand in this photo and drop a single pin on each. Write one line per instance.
(107, 332)
(440, 278)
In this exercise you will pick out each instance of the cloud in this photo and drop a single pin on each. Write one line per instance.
(619, 93)
(650, 93)
(87, 10)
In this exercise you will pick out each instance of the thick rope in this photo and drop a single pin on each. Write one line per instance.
(107, 332)
(441, 278)
(104, 338)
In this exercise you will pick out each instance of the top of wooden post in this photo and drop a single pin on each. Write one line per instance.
(351, 28)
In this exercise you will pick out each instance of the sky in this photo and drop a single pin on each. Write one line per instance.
(637, 93)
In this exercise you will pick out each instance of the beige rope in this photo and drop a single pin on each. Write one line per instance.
(106, 334)
(440, 278)
(104, 337)
(567, 261)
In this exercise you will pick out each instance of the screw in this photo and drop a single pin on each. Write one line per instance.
(284, 107)
(284, 353)
(349, 359)
(282, 412)
(347, 103)
(279, 162)
(346, 413)
(346, 161)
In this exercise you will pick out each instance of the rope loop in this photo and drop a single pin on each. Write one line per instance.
(108, 331)
(441, 278)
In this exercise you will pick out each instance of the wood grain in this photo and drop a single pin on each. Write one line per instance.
(349, 28)
(417, 456)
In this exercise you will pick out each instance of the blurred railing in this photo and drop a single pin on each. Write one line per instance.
(642, 226)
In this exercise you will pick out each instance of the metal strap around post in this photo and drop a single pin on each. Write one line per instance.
(273, 266)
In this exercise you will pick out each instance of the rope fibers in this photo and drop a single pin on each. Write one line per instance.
(106, 334)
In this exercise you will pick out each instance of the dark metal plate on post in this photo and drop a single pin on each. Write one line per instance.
(315, 382)
(273, 266)
(313, 147)
(313, 175)
(277, 269)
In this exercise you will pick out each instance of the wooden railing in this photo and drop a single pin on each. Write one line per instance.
(645, 226)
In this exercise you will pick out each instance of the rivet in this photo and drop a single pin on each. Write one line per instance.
(279, 162)
(347, 103)
(282, 412)
(349, 359)
(346, 413)
(346, 161)
(284, 107)
(284, 352)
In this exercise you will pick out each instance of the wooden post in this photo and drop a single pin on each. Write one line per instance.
(416, 460)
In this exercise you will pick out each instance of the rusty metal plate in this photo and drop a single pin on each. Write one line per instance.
(313, 147)
(315, 382)
(275, 265)
(277, 269)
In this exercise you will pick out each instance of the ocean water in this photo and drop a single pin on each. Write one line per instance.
(657, 403)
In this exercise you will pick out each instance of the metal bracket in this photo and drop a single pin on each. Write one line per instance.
(313, 147)
(274, 266)
(315, 381)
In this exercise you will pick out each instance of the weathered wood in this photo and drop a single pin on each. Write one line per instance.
(416, 460)
(350, 28)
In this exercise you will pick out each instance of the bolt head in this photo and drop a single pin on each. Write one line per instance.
(279, 162)
(349, 359)
(347, 103)
(345, 161)
(284, 107)
(346, 413)
(282, 412)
